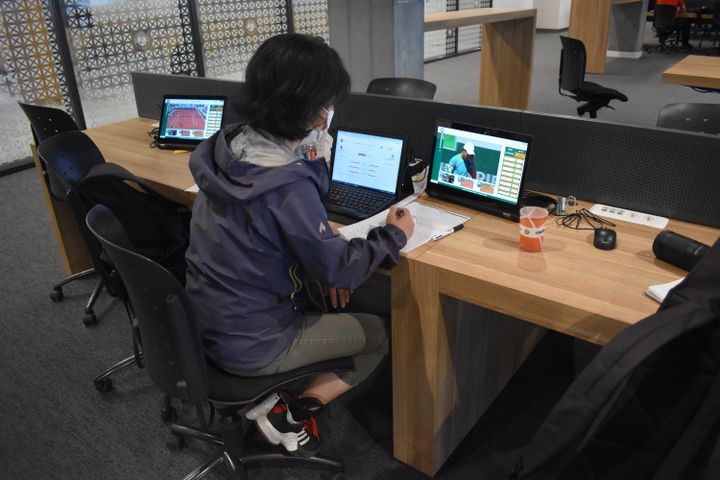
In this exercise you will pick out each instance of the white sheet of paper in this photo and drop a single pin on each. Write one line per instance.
(428, 221)
(659, 292)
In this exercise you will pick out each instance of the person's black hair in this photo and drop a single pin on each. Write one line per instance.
(289, 80)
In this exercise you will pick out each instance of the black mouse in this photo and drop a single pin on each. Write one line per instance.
(605, 238)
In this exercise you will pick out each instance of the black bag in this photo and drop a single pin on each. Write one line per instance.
(648, 405)
(158, 227)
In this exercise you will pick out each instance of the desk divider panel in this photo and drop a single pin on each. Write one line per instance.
(653, 170)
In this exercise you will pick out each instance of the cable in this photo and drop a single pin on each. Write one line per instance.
(577, 220)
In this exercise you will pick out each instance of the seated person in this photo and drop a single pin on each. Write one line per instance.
(259, 230)
(682, 25)
(458, 162)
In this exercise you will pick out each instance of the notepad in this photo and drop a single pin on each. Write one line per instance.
(428, 221)
(659, 292)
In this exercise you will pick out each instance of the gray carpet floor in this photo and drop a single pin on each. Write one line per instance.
(639, 79)
(55, 425)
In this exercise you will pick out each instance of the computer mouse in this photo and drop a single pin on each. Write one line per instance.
(605, 238)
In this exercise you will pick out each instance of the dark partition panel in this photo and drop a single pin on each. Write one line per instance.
(151, 87)
(658, 171)
(664, 172)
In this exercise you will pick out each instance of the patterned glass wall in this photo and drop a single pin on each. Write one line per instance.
(441, 44)
(311, 17)
(30, 71)
(108, 39)
(232, 30)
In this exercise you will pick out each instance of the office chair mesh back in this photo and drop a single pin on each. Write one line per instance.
(403, 87)
(172, 350)
(693, 117)
(47, 122)
(572, 64)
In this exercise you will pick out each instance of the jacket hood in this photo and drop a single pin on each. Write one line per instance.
(225, 177)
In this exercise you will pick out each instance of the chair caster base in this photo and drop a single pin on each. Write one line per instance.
(174, 441)
(57, 295)
(104, 386)
(89, 319)
(168, 415)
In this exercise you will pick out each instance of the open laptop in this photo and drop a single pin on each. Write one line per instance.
(366, 172)
(480, 167)
(187, 120)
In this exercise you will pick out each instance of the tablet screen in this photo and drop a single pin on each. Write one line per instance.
(190, 118)
(479, 161)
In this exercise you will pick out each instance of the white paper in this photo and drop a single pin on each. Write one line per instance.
(428, 222)
(193, 189)
(659, 292)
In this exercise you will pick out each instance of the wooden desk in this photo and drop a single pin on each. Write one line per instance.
(467, 310)
(507, 51)
(695, 71)
(590, 22)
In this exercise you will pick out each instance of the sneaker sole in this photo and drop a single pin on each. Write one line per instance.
(258, 414)
(263, 408)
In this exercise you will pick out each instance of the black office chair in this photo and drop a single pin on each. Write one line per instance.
(403, 87)
(67, 158)
(47, 121)
(572, 79)
(664, 25)
(714, 24)
(176, 363)
(693, 117)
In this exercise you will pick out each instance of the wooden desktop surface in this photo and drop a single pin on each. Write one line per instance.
(507, 53)
(695, 71)
(450, 358)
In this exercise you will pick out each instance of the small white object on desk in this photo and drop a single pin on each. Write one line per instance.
(631, 216)
(193, 189)
(429, 222)
(659, 292)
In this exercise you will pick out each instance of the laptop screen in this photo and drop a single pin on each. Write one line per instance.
(190, 118)
(485, 164)
(367, 160)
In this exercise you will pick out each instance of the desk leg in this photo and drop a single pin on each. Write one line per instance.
(590, 22)
(73, 252)
(450, 360)
(506, 63)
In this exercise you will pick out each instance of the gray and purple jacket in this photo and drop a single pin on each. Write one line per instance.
(255, 231)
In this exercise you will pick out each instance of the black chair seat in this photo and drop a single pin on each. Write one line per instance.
(227, 388)
(592, 90)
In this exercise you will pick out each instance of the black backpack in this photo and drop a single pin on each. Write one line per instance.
(158, 227)
(648, 405)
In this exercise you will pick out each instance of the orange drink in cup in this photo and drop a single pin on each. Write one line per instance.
(532, 228)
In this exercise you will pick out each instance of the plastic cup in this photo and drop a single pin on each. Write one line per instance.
(532, 228)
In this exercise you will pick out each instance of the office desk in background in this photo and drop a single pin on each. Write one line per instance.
(507, 51)
(467, 310)
(590, 22)
(695, 71)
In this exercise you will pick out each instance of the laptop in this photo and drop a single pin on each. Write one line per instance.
(187, 120)
(366, 172)
(479, 167)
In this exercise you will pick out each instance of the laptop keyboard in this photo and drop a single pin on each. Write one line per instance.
(364, 201)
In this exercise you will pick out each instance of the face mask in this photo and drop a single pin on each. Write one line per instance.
(317, 134)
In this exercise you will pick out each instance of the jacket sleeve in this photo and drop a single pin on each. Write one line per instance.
(325, 256)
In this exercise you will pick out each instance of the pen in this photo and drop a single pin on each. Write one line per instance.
(445, 233)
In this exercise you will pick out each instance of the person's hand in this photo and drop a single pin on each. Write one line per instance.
(401, 218)
(339, 296)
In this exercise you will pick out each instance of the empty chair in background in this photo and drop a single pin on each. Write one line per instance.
(693, 117)
(403, 87)
(572, 79)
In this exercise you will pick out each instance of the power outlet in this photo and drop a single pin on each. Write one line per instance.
(631, 216)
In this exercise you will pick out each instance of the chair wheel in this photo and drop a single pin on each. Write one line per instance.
(104, 386)
(57, 295)
(168, 415)
(89, 319)
(174, 441)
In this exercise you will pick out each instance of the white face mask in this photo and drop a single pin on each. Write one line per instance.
(316, 135)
